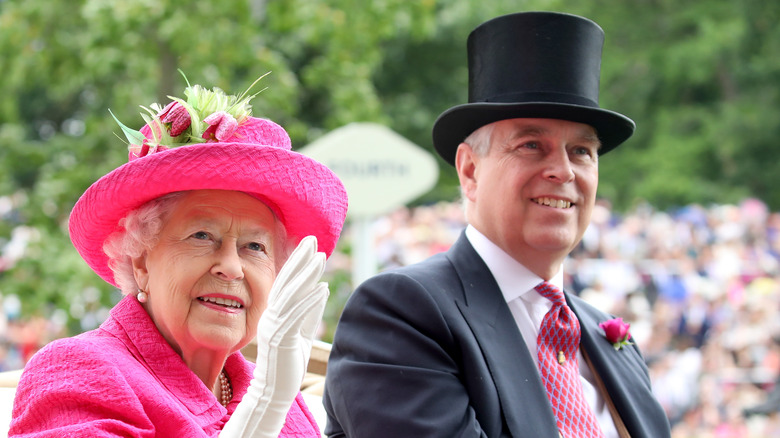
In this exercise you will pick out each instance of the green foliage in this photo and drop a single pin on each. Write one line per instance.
(700, 80)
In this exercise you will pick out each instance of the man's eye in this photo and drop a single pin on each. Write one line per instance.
(531, 145)
(585, 151)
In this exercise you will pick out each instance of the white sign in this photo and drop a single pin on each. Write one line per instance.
(380, 169)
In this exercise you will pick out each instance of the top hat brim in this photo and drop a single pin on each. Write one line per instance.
(458, 122)
(308, 198)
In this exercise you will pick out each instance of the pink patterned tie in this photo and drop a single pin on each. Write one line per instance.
(556, 347)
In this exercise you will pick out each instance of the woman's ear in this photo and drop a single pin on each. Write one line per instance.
(466, 164)
(140, 272)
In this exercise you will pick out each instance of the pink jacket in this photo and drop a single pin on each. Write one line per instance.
(123, 379)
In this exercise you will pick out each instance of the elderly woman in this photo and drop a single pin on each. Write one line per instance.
(211, 230)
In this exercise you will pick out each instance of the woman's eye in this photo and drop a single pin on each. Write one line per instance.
(254, 246)
(201, 235)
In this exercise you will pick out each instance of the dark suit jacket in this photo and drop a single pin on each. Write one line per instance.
(432, 350)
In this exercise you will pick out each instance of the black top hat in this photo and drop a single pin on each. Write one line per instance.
(532, 64)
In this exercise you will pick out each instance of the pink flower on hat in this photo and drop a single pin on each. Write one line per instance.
(176, 117)
(145, 149)
(221, 126)
(616, 332)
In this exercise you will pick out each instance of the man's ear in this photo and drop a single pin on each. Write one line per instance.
(466, 163)
(140, 272)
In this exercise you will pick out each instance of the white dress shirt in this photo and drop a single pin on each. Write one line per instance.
(528, 308)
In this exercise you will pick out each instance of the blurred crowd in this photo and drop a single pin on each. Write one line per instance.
(700, 286)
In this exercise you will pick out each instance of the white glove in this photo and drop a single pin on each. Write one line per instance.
(285, 334)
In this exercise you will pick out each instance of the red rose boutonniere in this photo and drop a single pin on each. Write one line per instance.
(616, 332)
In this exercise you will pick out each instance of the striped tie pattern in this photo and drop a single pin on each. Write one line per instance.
(559, 338)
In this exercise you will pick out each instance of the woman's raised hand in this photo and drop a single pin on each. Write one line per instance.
(285, 334)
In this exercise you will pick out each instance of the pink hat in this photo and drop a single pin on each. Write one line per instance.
(234, 152)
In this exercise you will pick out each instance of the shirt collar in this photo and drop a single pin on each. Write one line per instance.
(514, 279)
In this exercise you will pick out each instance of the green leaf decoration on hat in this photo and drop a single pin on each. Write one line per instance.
(133, 136)
(167, 125)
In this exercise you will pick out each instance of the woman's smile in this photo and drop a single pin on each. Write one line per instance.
(221, 303)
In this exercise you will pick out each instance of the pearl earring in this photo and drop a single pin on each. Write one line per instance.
(141, 296)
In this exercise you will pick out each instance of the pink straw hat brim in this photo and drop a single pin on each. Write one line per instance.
(307, 196)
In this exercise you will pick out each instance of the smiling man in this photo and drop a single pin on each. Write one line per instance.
(482, 341)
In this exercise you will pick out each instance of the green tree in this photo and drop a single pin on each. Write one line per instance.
(700, 80)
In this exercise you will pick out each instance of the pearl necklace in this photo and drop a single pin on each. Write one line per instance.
(227, 390)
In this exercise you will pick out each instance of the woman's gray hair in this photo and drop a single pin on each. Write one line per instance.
(140, 230)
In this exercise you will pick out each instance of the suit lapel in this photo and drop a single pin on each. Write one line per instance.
(512, 369)
(616, 368)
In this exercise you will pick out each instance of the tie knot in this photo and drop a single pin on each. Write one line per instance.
(551, 292)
